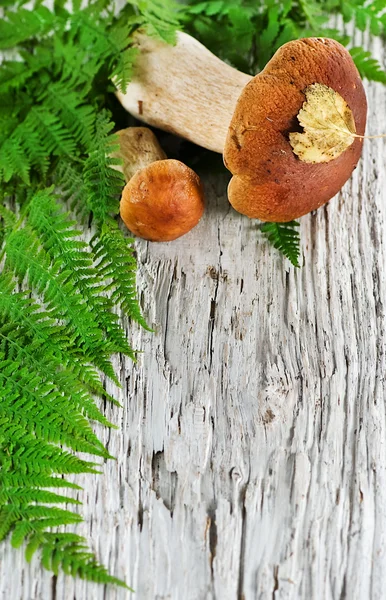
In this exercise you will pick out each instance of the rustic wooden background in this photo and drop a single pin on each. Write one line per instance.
(251, 457)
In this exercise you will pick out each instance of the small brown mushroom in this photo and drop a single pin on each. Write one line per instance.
(249, 119)
(163, 198)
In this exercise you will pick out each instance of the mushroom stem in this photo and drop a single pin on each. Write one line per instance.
(139, 148)
(184, 89)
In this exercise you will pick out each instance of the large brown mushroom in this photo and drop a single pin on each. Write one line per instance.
(187, 90)
(163, 198)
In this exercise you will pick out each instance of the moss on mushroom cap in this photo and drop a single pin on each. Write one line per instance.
(163, 201)
(269, 181)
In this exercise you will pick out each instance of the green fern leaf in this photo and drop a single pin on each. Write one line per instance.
(103, 183)
(22, 310)
(33, 142)
(13, 161)
(20, 26)
(57, 237)
(7, 521)
(19, 480)
(28, 260)
(14, 74)
(31, 401)
(367, 66)
(9, 218)
(21, 497)
(270, 33)
(58, 322)
(71, 180)
(116, 262)
(58, 141)
(22, 452)
(160, 18)
(68, 551)
(285, 238)
(66, 99)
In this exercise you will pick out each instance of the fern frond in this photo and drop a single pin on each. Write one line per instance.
(57, 140)
(8, 216)
(160, 18)
(33, 141)
(33, 519)
(365, 15)
(112, 47)
(313, 13)
(103, 183)
(66, 99)
(13, 161)
(57, 235)
(35, 405)
(26, 258)
(37, 136)
(67, 551)
(285, 238)
(14, 74)
(70, 179)
(22, 452)
(58, 321)
(368, 66)
(20, 26)
(21, 497)
(116, 262)
(22, 310)
(77, 63)
(7, 521)
(37, 481)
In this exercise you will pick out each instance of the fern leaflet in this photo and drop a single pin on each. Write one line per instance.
(367, 66)
(285, 238)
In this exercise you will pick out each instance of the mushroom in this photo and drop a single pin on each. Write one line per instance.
(163, 198)
(188, 91)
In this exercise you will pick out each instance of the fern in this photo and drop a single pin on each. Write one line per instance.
(248, 33)
(285, 238)
(367, 66)
(77, 116)
(35, 404)
(25, 313)
(69, 552)
(57, 235)
(58, 320)
(28, 260)
(159, 19)
(111, 252)
(21, 26)
(103, 184)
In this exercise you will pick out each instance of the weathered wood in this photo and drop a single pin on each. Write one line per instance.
(251, 456)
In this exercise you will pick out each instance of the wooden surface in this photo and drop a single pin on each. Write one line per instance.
(251, 449)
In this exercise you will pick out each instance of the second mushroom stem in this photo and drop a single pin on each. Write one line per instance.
(184, 89)
(139, 148)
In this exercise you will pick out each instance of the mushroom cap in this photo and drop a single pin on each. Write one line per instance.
(162, 201)
(269, 181)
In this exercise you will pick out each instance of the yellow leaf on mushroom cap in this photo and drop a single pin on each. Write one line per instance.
(328, 126)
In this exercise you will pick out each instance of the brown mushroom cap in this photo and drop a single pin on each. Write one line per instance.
(269, 181)
(162, 201)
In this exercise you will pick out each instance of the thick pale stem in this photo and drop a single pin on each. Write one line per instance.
(184, 89)
(138, 148)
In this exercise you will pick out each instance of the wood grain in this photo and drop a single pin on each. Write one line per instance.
(251, 449)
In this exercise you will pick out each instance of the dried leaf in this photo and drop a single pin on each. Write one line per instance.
(328, 126)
